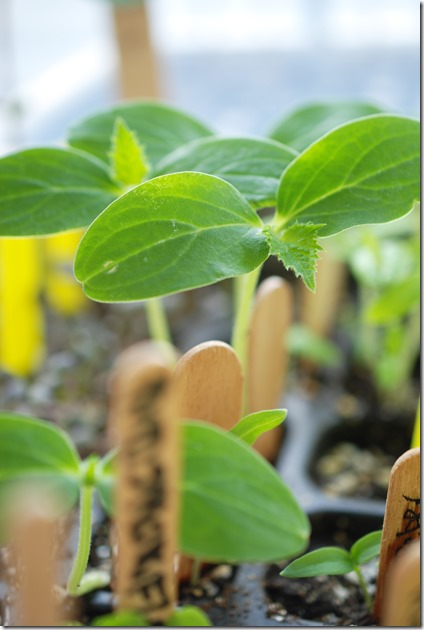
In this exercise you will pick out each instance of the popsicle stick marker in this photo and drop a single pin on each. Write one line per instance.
(402, 600)
(144, 412)
(402, 517)
(210, 384)
(33, 556)
(272, 316)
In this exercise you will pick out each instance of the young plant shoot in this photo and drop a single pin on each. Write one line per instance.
(194, 221)
(338, 561)
(274, 527)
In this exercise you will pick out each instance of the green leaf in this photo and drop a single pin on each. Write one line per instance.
(303, 342)
(121, 619)
(251, 165)
(297, 248)
(366, 548)
(306, 124)
(235, 507)
(93, 580)
(188, 616)
(395, 302)
(159, 128)
(366, 171)
(172, 233)
(251, 427)
(44, 191)
(104, 477)
(36, 452)
(129, 164)
(324, 561)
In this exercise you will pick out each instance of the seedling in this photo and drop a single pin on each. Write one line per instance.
(252, 517)
(182, 230)
(338, 561)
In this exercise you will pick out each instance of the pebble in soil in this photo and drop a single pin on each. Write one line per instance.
(328, 600)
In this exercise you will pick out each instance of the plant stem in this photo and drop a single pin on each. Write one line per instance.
(195, 571)
(84, 540)
(157, 323)
(363, 587)
(245, 294)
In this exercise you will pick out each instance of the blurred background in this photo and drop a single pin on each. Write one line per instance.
(237, 64)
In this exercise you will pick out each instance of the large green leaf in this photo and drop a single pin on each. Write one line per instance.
(324, 561)
(172, 233)
(43, 191)
(367, 171)
(251, 165)
(306, 124)
(235, 507)
(36, 452)
(159, 128)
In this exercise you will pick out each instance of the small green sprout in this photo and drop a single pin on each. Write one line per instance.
(337, 561)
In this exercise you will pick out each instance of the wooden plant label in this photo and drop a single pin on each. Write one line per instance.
(402, 517)
(402, 599)
(319, 310)
(32, 555)
(144, 412)
(267, 355)
(210, 384)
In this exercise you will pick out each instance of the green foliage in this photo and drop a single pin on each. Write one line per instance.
(337, 561)
(38, 452)
(188, 616)
(305, 125)
(235, 507)
(129, 164)
(159, 128)
(122, 619)
(366, 171)
(251, 165)
(227, 489)
(44, 191)
(251, 427)
(172, 233)
(304, 343)
(298, 249)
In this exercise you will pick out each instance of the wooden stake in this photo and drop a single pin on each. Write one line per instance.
(319, 309)
(137, 62)
(268, 359)
(402, 517)
(402, 599)
(210, 384)
(33, 556)
(144, 411)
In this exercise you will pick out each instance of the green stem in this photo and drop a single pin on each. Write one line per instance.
(84, 540)
(195, 571)
(157, 324)
(363, 587)
(245, 295)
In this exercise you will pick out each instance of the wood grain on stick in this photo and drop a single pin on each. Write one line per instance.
(144, 412)
(33, 556)
(318, 311)
(210, 384)
(137, 60)
(271, 318)
(402, 599)
(402, 517)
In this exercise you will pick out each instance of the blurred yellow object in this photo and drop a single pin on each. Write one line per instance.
(63, 292)
(416, 434)
(22, 345)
